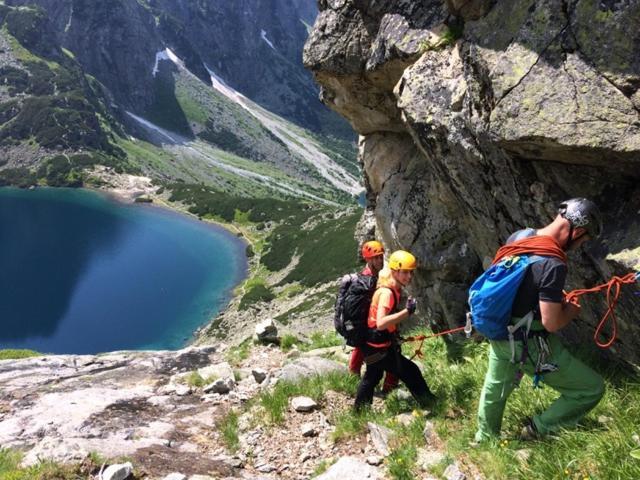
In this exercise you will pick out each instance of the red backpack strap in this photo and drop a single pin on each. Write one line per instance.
(396, 299)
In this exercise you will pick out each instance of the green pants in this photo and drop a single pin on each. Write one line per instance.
(579, 386)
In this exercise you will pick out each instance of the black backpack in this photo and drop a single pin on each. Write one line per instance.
(352, 307)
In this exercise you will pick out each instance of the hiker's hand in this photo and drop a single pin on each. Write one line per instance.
(573, 308)
(411, 305)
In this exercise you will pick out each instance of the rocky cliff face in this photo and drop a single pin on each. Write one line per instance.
(477, 118)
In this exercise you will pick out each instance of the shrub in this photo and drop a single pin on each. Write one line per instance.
(287, 342)
(19, 177)
(256, 293)
(326, 251)
(195, 380)
(207, 201)
(10, 354)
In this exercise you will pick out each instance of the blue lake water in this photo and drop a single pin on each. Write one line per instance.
(81, 273)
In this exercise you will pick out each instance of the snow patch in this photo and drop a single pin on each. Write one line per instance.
(263, 34)
(68, 25)
(166, 54)
(170, 136)
(221, 86)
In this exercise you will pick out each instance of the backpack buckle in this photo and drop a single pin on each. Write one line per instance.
(511, 261)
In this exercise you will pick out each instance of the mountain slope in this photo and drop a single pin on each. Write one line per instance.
(148, 69)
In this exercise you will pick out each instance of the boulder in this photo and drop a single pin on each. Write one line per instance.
(303, 404)
(266, 332)
(221, 385)
(259, 374)
(453, 472)
(117, 472)
(175, 476)
(428, 458)
(306, 367)
(219, 370)
(380, 438)
(351, 468)
(308, 430)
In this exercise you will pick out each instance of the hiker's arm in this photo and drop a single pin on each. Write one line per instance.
(385, 320)
(557, 315)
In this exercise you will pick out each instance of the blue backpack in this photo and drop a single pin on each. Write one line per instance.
(492, 294)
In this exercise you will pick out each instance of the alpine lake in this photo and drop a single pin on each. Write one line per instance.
(82, 273)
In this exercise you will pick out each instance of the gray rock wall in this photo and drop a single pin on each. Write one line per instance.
(477, 120)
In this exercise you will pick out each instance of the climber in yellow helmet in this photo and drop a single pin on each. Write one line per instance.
(373, 253)
(382, 350)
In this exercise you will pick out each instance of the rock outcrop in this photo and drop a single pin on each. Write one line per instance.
(148, 407)
(476, 119)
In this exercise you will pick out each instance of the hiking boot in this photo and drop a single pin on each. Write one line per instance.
(529, 432)
(427, 401)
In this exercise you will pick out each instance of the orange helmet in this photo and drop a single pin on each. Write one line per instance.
(401, 260)
(372, 249)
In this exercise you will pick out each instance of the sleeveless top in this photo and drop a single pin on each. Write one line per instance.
(382, 338)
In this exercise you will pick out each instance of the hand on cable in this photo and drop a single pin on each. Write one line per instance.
(411, 305)
(572, 299)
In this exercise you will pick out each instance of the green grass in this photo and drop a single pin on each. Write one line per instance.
(228, 427)
(322, 467)
(593, 450)
(322, 340)
(237, 354)
(257, 292)
(196, 380)
(287, 341)
(350, 423)
(45, 470)
(275, 401)
(11, 354)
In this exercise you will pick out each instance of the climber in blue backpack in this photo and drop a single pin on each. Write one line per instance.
(517, 304)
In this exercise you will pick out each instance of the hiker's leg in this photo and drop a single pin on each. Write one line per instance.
(356, 360)
(580, 388)
(390, 382)
(411, 376)
(371, 378)
(498, 385)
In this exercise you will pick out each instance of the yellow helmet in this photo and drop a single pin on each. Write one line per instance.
(372, 249)
(401, 260)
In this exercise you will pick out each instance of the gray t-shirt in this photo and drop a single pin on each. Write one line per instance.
(544, 281)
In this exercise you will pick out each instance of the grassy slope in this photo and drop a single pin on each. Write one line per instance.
(605, 446)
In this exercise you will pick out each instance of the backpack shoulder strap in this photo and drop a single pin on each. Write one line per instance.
(396, 299)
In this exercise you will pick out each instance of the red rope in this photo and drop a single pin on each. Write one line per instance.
(612, 287)
(421, 338)
(538, 244)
